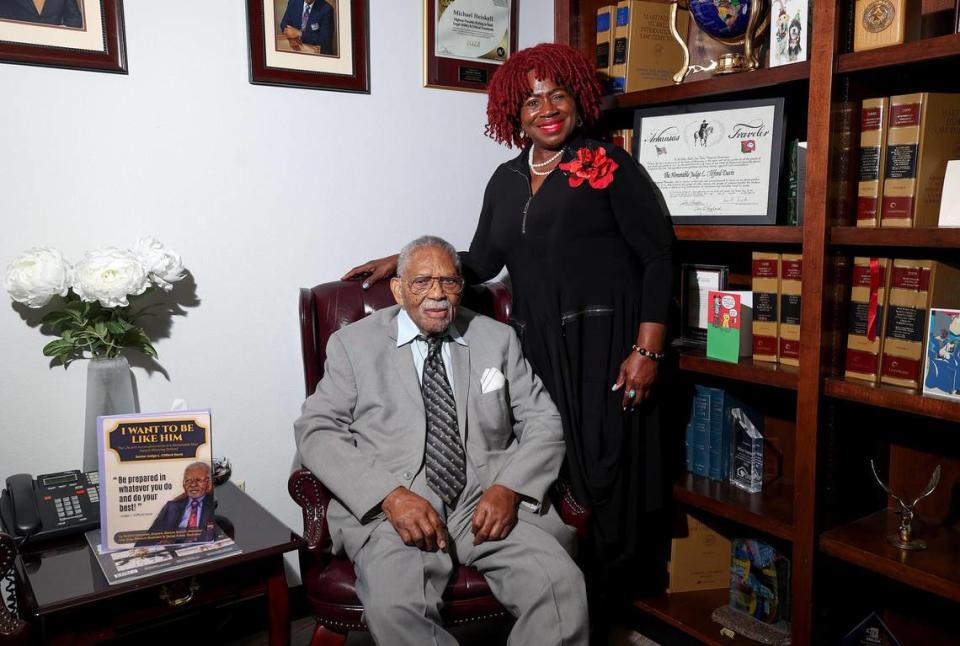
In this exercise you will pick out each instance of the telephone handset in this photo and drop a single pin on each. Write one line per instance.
(53, 504)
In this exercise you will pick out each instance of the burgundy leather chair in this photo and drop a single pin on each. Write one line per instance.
(329, 581)
(13, 630)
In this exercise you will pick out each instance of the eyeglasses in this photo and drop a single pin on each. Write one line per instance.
(195, 481)
(423, 284)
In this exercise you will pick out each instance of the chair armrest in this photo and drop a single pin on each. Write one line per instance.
(313, 498)
(13, 630)
(571, 511)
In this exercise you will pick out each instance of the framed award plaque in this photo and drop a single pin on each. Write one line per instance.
(714, 163)
(465, 41)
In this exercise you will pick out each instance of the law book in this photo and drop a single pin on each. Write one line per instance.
(646, 55)
(699, 432)
(700, 560)
(915, 287)
(791, 270)
(865, 327)
(843, 147)
(796, 181)
(881, 24)
(873, 152)
(621, 35)
(766, 294)
(604, 41)
(923, 133)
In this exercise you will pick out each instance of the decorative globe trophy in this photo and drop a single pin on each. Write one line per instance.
(731, 22)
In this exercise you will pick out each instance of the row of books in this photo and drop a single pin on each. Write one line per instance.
(899, 329)
(905, 144)
(635, 49)
(724, 439)
(776, 284)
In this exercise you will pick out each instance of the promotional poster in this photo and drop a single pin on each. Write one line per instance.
(156, 485)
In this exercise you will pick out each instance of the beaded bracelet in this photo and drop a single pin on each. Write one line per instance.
(649, 354)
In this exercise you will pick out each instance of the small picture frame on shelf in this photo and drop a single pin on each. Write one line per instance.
(789, 32)
(941, 371)
(697, 281)
(74, 34)
(714, 163)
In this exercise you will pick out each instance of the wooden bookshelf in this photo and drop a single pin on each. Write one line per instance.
(931, 237)
(901, 399)
(926, 50)
(863, 543)
(770, 511)
(813, 91)
(710, 86)
(689, 612)
(756, 372)
(736, 233)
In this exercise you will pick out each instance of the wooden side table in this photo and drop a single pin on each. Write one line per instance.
(64, 594)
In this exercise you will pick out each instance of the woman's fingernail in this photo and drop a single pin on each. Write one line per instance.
(365, 285)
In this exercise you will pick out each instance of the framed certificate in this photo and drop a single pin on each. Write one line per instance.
(465, 41)
(714, 163)
(697, 281)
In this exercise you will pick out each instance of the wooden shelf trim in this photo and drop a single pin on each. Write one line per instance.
(863, 543)
(709, 87)
(884, 237)
(756, 372)
(892, 397)
(737, 233)
(928, 49)
(770, 511)
(689, 612)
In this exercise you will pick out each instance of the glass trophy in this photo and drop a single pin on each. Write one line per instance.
(746, 452)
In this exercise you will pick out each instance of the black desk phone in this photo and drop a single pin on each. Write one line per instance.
(53, 504)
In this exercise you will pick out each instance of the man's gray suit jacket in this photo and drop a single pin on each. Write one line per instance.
(363, 431)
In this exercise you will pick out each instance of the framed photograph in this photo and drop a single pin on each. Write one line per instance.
(697, 281)
(316, 44)
(76, 34)
(465, 41)
(714, 163)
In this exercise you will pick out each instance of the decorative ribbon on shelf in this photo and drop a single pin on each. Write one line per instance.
(873, 306)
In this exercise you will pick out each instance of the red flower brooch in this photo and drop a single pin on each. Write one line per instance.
(591, 165)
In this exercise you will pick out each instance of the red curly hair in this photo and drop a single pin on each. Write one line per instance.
(510, 87)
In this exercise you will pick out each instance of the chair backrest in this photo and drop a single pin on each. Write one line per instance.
(326, 308)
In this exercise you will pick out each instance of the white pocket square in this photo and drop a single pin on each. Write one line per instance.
(491, 379)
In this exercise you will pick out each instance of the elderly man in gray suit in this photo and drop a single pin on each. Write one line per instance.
(439, 444)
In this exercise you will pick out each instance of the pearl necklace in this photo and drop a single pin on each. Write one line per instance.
(533, 166)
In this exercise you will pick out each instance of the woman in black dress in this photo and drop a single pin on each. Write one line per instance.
(586, 238)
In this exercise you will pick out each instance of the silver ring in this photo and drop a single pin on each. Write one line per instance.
(632, 393)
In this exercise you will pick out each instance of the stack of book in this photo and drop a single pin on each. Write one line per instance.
(776, 283)
(905, 143)
(897, 328)
(635, 49)
(710, 431)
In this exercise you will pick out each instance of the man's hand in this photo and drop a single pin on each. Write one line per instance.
(495, 515)
(293, 36)
(415, 520)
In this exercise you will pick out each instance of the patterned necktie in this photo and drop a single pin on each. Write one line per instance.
(192, 521)
(306, 17)
(446, 464)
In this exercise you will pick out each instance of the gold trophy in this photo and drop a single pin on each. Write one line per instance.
(904, 539)
(730, 22)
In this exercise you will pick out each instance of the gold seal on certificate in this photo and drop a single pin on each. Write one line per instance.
(473, 30)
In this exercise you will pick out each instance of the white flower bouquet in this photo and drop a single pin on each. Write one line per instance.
(90, 302)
